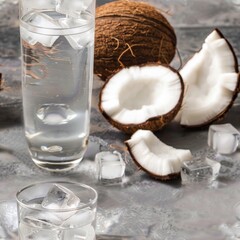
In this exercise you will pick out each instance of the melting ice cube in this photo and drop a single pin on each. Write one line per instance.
(82, 39)
(110, 166)
(200, 169)
(223, 138)
(72, 8)
(40, 20)
(60, 197)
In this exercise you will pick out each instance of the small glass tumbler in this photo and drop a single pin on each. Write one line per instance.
(57, 46)
(62, 210)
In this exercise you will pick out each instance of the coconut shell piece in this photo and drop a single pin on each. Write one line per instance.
(142, 97)
(159, 160)
(211, 81)
(131, 33)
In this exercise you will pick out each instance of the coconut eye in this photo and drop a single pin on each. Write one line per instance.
(144, 97)
(211, 81)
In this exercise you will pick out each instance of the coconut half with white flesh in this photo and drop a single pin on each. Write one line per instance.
(142, 97)
(155, 157)
(211, 82)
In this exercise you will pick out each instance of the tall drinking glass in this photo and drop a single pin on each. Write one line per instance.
(57, 42)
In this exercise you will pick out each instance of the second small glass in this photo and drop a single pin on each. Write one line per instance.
(53, 211)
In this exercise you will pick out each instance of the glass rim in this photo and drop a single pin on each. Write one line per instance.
(59, 30)
(35, 208)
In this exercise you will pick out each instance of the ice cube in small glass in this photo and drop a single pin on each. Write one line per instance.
(42, 219)
(39, 225)
(72, 8)
(223, 138)
(110, 166)
(39, 20)
(28, 232)
(60, 197)
(198, 170)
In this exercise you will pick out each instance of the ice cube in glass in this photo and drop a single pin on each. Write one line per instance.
(39, 5)
(40, 225)
(78, 41)
(43, 219)
(198, 170)
(72, 8)
(110, 166)
(60, 197)
(223, 138)
(39, 20)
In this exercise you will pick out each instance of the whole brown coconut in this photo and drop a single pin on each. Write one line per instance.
(131, 33)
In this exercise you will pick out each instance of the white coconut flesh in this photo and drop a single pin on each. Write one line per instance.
(136, 94)
(154, 156)
(211, 81)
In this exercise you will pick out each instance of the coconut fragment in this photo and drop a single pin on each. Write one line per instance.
(211, 81)
(145, 97)
(155, 157)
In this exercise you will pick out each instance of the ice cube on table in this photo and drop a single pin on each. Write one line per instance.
(60, 197)
(39, 20)
(72, 8)
(223, 138)
(198, 170)
(110, 166)
(84, 37)
(86, 233)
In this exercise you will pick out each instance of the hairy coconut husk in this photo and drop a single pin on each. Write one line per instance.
(131, 33)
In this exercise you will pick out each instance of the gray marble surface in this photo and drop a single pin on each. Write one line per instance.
(141, 206)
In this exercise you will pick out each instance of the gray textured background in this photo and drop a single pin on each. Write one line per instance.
(140, 206)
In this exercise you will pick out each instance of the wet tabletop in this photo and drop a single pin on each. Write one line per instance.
(140, 206)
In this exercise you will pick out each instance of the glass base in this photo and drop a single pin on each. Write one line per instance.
(57, 166)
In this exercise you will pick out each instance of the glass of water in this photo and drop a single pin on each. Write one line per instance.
(57, 42)
(57, 210)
